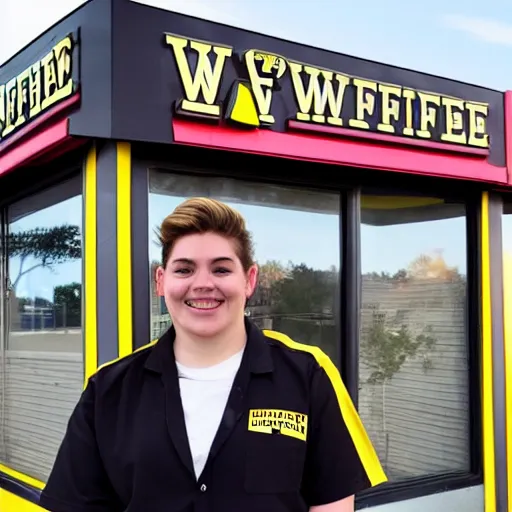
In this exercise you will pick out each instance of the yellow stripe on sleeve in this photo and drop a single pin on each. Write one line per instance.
(355, 426)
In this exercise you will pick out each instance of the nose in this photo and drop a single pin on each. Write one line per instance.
(203, 280)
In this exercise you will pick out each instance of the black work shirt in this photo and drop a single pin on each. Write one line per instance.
(289, 438)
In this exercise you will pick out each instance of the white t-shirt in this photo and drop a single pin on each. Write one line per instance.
(204, 394)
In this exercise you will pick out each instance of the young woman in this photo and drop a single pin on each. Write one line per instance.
(216, 415)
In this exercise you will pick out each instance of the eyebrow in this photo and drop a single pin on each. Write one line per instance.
(188, 261)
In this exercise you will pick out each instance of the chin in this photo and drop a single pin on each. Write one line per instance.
(205, 329)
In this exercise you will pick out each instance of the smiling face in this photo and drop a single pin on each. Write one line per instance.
(205, 285)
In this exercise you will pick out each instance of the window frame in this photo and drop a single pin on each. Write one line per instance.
(17, 186)
(429, 484)
(348, 183)
(194, 173)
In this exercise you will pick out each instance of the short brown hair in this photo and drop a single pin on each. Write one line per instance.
(206, 215)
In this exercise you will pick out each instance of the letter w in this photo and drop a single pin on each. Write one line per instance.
(206, 78)
(318, 96)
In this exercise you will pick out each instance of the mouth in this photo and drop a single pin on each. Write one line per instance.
(204, 304)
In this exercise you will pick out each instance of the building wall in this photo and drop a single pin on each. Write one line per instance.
(470, 499)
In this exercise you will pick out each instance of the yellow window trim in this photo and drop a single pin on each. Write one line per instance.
(90, 233)
(12, 503)
(487, 366)
(124, 249)
(21, 477)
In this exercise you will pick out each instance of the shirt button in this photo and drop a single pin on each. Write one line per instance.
(203, 488)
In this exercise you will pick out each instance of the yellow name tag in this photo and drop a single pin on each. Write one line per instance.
(287, 423)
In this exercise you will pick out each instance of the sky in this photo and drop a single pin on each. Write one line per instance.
(459, 39)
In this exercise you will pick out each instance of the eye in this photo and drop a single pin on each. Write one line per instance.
(222, 270)
(182, 271)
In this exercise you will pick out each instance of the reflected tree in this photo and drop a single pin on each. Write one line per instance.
(427, 266)
(47, 246)
(38, 302)
(412, 324)
(384, 350)
(272, 272)
(67, 301)
(387, 343)
(305, 291)
(300, 300)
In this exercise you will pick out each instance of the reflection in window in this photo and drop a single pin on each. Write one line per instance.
(507, 230)
(296, 236)
(42, 363)
(414, 388)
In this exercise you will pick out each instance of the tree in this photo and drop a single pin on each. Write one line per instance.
(68, 305)
(384, 350)
(386, 343)
(302, 305)
(48, 246)
(305, 291)
(37, 302)
(271, 272)
(427, 266)
(400, 275)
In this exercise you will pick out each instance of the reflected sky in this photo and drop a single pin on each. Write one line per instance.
(283, 235)
(467, 41)
(507, 233)
(392, 248)
(41, 282)
(280, 234)
(277, 233)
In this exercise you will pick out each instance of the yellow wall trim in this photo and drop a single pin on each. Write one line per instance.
(124, 249)
(362, 442)
(21, 477)
(487, 366)
(90, 233)
(11, 503)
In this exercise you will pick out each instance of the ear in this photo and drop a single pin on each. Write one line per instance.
(252, 280)
(159, 278)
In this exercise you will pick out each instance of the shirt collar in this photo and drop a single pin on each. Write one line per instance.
(257, 356)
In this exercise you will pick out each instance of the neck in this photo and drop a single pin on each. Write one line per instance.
(201, 352)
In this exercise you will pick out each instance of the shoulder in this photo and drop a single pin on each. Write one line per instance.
(311, 353)
(115, 372)
(308, 357)
(323, 375)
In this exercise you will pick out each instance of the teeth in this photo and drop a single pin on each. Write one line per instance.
(202, 304)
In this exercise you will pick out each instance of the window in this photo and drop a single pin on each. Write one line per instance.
(296, 236)
(41, 366)
(413, 355)
(507, 232)
(506, 227)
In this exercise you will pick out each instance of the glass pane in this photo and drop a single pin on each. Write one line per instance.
(414, 388)
(296, 236)
(507, 229)
(507, 273)
(43, 361)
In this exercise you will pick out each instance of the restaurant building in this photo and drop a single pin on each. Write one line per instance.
(380, 204)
